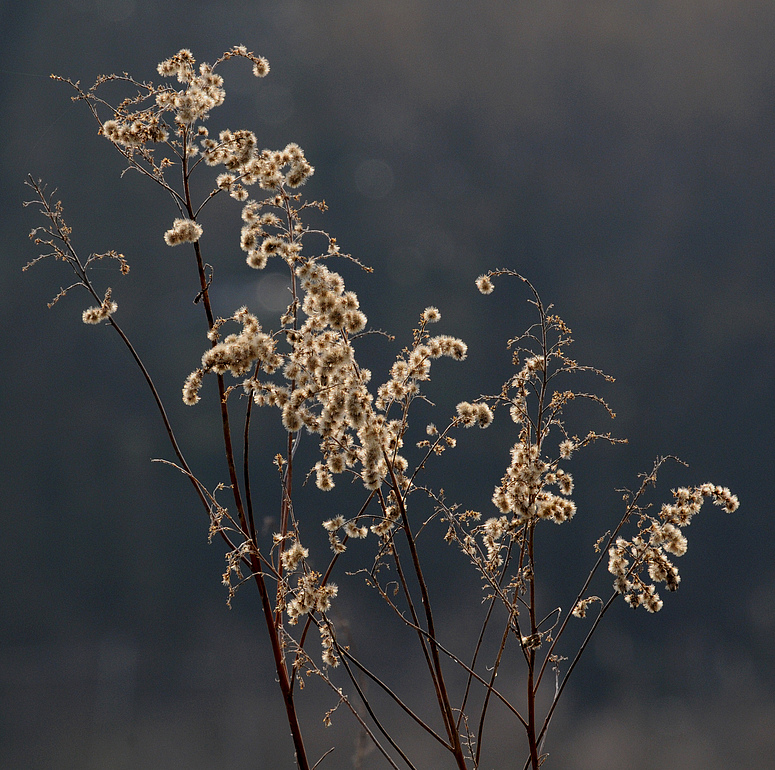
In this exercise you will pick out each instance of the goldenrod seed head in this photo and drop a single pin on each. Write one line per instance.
(484, 284)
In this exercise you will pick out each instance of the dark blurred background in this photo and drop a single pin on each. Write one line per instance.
(619, 154)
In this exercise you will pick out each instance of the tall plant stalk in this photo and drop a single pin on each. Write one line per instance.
(308, 369)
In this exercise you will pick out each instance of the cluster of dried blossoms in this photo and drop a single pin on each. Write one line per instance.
(647, 551)
(133, 127)
(526, 493)
(95, 315)
(319, 386)
(308, 370)
(322, 389)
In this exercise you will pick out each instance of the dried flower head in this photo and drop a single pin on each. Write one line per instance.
(484, 284)
(94, 315)
(183, 231)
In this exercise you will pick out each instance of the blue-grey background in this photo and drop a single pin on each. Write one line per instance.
(619, 154)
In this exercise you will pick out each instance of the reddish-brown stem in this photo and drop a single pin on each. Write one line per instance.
(444, 704)
(531, 654)
(257, 571)
(246, 472)
(285, 508)
(530, 648)
(490, 687)
(287, 478)
(346, 656)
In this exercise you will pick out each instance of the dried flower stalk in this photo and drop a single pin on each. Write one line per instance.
(307, 369)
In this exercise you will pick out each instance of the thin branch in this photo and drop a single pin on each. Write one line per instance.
(345, 656)
(455, 659)
(344, 699)
(632, 506)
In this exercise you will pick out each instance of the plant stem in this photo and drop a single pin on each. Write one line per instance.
(257, 570)
(444, 704)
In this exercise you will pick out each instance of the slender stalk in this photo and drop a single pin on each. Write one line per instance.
(257, 571)
(412, 610)
(489, 691)
(285, 508)
(444, 704)
(560, 689)
(363, 724)
(292, 443)
(455, 659)
(344, 657)
(477, 649)
(246, 472)
(531, 653)
(530, 647)
(345, 653)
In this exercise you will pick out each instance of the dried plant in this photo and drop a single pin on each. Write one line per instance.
(307, 369)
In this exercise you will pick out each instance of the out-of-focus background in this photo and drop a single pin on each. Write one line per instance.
(619, 154)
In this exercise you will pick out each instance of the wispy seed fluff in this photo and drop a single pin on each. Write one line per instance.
(236, 353)
(484, 284)
(566, 449)
(191, 387)
(293, 556)
(474, 414)
(431, 315)
(135, 134)
(94, 315)
(183, 231)
(261, 68)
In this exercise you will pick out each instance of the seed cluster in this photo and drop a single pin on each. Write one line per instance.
(656, 538)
